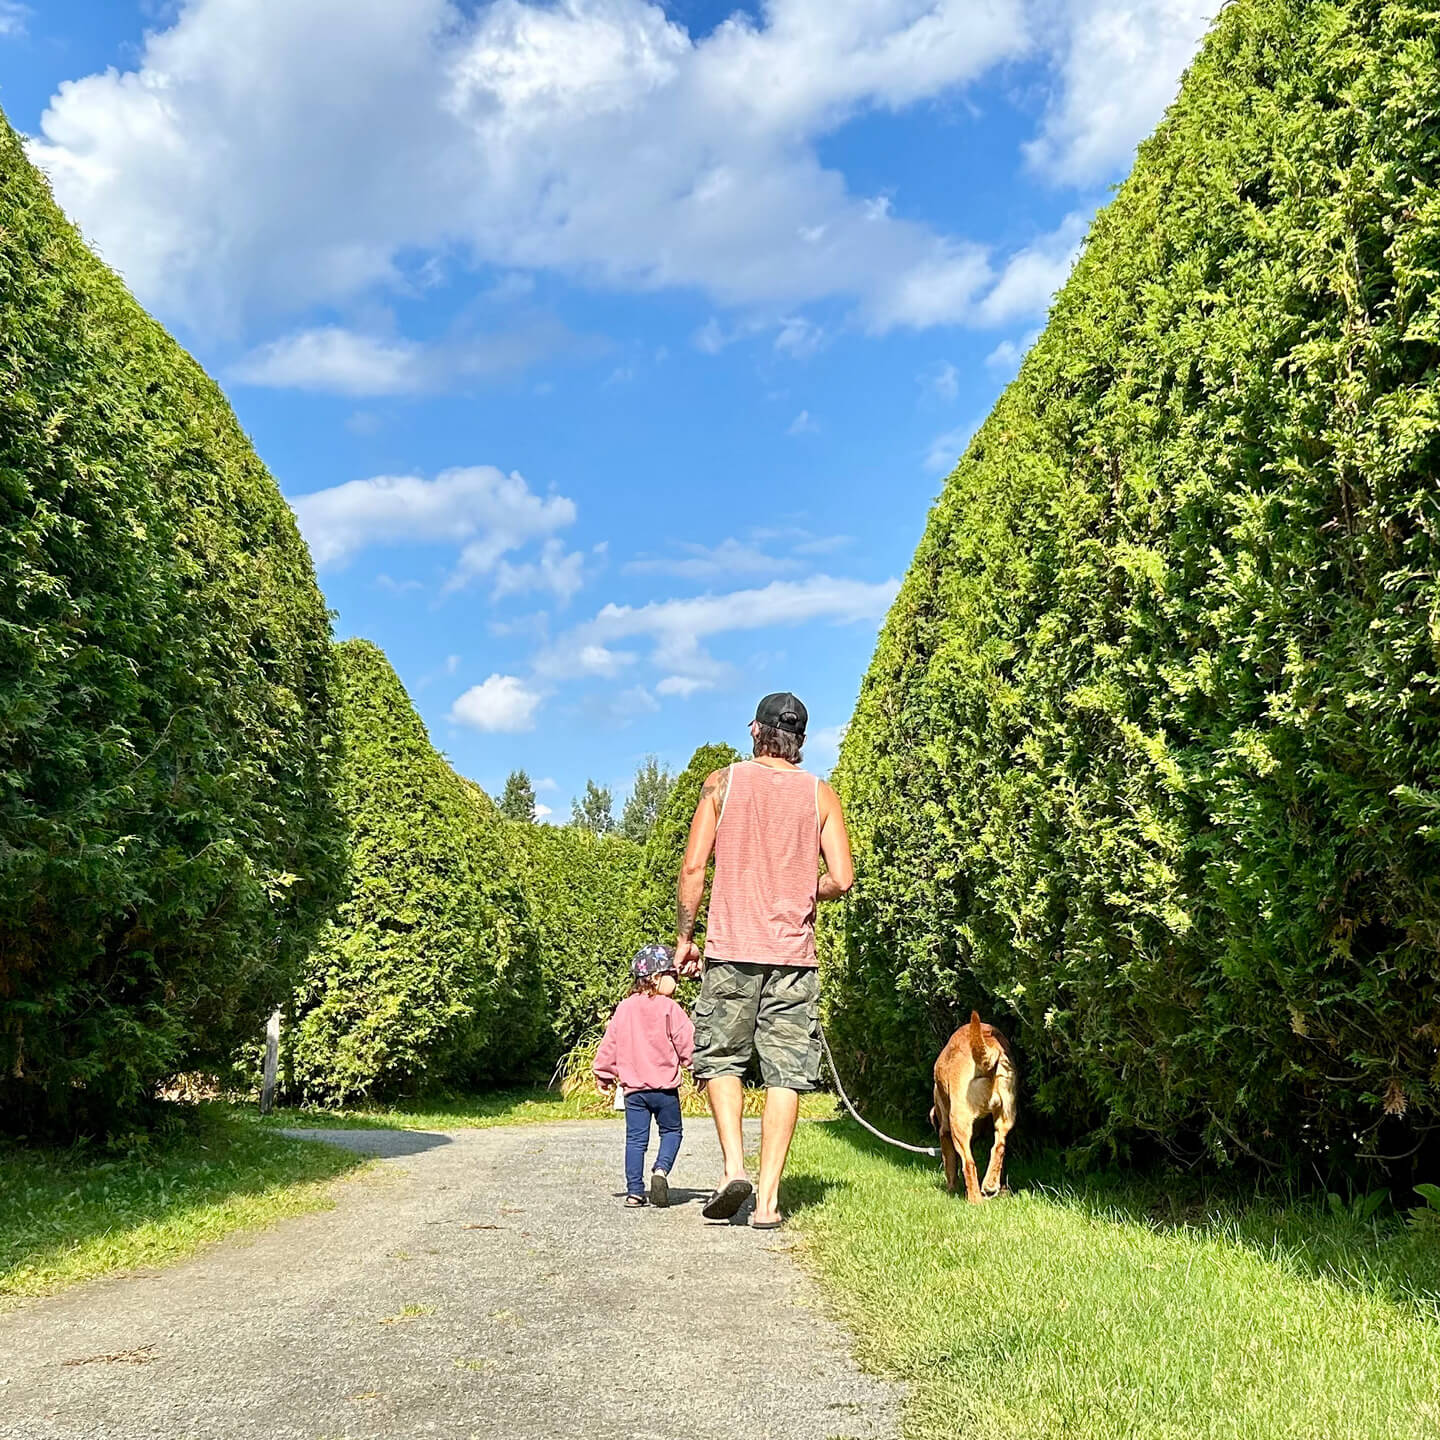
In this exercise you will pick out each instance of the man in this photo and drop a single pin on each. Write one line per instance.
(768, 824)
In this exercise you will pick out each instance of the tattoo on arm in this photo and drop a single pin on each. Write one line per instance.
(684, 920)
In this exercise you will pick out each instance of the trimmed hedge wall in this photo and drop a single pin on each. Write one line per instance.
(167, 846)
(652, 906)
(425, 978)
(577, 889)
(1146, 761)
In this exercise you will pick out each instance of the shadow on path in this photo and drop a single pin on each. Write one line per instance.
(389, 1144)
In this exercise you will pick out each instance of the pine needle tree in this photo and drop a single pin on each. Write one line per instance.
(595, 811)
(647, 797)
(518, 800)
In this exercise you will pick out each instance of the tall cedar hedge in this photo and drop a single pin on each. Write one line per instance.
(1147, 757)
(166, 842)
(652, 905)
(425, 978)
(577, 888)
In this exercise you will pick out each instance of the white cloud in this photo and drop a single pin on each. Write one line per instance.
(730, 558)
(1119, 64)
(14, 18)
(676, 628)
(947, 448)
(481, 508)
(542, 812)
(265, 158)
(452, 664)
(822, 747)
(682, 685)
(615, 709)
(397, 587)
(1033, 275)
(600, 660)
(940, 289)
(799, 337)
(502, 704)
(941, 382)
(335, 361)
(1007, 355)
(803, 424)
(733, 559)
(330, 359)
(547, 784)
(560, 571)
(822, 544)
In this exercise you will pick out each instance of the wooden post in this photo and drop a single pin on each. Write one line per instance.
(272, 1057)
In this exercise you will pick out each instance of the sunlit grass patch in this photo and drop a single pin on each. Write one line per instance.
(510, 1107)
(73, 1214)
(1061, 1311)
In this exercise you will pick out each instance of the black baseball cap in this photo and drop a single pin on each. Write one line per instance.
(783, 711)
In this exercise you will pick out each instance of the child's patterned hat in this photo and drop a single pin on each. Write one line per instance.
(652, 960)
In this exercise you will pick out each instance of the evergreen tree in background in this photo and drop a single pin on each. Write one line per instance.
(518, 801)
(652, 786)
(596, 811)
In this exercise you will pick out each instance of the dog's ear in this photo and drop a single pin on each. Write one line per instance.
(979, 1051)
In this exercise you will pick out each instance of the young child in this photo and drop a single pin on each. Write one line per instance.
(647, 1043)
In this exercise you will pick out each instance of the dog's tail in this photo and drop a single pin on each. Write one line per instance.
(980, 1046)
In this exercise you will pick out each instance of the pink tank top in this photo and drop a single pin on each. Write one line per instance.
(767, 868)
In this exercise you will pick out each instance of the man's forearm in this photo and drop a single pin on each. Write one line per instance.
(688, 894)
(830, 888)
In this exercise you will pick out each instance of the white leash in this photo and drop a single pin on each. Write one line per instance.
(860, 1119)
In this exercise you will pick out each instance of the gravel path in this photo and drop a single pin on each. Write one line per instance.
(480, 1283)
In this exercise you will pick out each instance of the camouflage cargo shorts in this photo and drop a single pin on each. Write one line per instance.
(772, 1011)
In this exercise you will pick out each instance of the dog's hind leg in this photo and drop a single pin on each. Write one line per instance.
(962, 1126)
(994, 1171)
(941, 1117)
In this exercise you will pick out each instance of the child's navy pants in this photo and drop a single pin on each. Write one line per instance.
(640, 1105)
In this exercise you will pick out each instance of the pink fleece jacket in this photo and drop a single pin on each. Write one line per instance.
(647, 1043)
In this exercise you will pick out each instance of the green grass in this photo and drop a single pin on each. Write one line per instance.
(478, 1112)
(1120, 1308)
(75, 1214)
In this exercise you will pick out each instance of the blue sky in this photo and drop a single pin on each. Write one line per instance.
(611, 353)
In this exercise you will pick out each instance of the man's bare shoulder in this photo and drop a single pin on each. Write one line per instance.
(713, 789)
(829, 800)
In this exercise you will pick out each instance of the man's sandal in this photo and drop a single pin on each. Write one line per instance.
(634, 1202)
(766, 1224)
(659, 1188)
(725, 1203)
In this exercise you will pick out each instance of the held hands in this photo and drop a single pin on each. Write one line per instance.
(687, 958)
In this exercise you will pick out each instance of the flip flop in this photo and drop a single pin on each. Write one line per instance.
(659, 1188)
(766, 1224)
(725, 1203)
(634, 1202)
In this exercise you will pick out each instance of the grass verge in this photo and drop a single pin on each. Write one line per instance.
(512, 1107)
(75, 1214)
(1120, 1308)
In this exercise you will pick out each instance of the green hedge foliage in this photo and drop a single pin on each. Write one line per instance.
(167, 847)
(652, 905)
(1147, 758)
(577, 889)
(425, 979)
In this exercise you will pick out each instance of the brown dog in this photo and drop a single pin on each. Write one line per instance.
(975, 1077)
